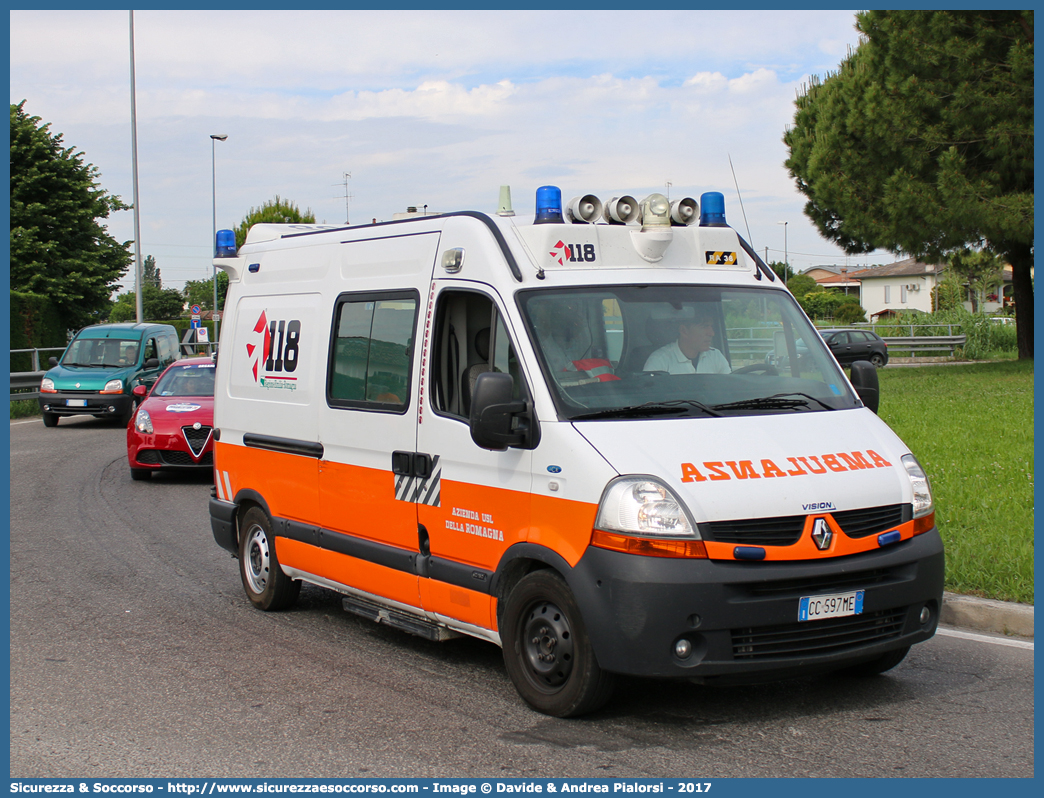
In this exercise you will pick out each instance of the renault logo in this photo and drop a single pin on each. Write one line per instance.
(821, 534)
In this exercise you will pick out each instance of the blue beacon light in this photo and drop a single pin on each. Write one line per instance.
(225, 244)
(549, 205)
(712, 209)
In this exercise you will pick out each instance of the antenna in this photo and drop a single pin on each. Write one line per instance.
(668, 185)
(347, 196)
(734, 180)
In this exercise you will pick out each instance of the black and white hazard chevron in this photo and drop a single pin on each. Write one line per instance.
(421, 490)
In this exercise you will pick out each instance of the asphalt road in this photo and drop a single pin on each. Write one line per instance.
(134, 653)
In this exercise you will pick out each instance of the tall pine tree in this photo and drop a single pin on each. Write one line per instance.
(922, 142)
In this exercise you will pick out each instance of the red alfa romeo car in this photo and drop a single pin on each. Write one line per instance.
(172, 429)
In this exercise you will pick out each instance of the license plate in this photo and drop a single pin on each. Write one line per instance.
(76, 403)
(838, 605)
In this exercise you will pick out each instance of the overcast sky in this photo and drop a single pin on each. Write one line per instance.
(435, 108)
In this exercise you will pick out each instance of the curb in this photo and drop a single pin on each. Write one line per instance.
(987, 615)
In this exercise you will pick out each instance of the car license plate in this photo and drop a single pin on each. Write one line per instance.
(838, 605)
(76, 403)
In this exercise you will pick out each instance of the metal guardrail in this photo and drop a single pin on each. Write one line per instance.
(923, 344)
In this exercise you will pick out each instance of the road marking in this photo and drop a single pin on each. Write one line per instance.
(1000, 641)
(30, 421)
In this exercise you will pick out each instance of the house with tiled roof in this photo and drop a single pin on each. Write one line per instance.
(897, 287)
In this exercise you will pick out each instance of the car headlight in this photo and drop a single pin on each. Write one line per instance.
(643, 506)
(113, 386)
(143, 422)
(922, 491)
(47, 385)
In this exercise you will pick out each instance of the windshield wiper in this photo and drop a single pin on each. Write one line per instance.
(648, 409)
(775, 402)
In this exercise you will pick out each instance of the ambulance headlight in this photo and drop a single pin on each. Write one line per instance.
(643, 506)
(922, 491)
(143, 422)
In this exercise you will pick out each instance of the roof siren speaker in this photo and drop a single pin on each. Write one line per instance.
(584, 210)
(685, 211)
(621, 210)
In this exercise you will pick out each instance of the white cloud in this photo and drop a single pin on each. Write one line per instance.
(430, 107)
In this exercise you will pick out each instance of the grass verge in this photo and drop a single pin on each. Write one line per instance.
(971, 426)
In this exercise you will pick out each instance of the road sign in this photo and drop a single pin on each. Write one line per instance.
(196, 310)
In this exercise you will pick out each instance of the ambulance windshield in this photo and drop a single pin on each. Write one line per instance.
(664, 351)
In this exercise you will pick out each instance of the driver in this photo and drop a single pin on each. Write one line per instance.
(692, 353)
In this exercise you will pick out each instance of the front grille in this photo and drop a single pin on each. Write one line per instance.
(781, 531)
(817, 638)
(172, 458)
(869, 521)
(829, 583)
(196, 438)
(786, 530)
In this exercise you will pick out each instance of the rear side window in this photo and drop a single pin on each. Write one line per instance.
(371, 350)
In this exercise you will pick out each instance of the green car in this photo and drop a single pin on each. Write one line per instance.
(100, 368)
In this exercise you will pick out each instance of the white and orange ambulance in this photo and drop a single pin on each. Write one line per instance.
(603, 437)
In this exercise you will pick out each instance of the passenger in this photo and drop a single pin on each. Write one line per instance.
(692, 353)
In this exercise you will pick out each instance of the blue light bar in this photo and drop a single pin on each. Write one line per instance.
(225, 245)
(549, 205)
(712, 209)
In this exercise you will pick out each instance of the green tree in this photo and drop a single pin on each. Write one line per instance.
(949, 293)
(150, 275)
(922, 141)
(782, 270)
(277, 211)
(201, 292)
(801, 284)
(979, 270)
(157, 304)
(59, 247)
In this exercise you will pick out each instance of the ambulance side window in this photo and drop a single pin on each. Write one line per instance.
(371, 350)
(469, 338)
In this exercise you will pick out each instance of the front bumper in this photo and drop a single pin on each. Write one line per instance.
(741, 618)
(86, 403)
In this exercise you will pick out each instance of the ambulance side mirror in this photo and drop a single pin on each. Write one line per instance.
(864, 380)
(497, 420)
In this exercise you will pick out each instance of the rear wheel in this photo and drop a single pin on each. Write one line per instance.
(140, 474)
(883, 663)
(50, 419)
(267, 587)
(546, 649)
(877, 359)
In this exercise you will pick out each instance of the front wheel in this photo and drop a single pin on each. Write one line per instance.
(141, 474)
(50, 419)
(546, 649)
(267, 587)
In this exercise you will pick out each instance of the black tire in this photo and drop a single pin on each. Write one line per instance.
(126, 416)
(140, 474)
(877, 359)
(50, 419)
(546, 649)
(883, 663)
(267, 587)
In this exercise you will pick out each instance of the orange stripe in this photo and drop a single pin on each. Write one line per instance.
(361, 502)
(289, 483)
(465, 605)
(367, 576)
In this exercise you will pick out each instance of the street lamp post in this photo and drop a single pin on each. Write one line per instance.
(786, 258)
(214, 138)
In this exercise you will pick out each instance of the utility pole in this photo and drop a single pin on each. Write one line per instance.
(347, 196)
(134, 162)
